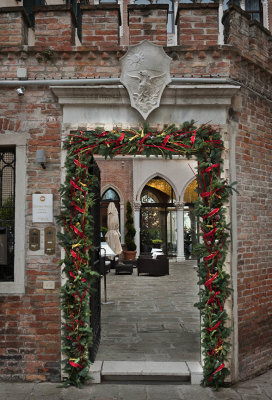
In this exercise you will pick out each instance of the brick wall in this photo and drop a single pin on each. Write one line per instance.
(54, 26)
(249, 37)
(197, 24)
(30, 323)
(100, 25)
(254, 218)
(148, 22)
(254, 169)
(13, 26)
(122, 180)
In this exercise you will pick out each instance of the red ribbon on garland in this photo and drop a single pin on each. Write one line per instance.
(211, 167)
(214, 211)
(217, 370)
(75, 365)
(209, 281)
(214, 327)
(193, 137)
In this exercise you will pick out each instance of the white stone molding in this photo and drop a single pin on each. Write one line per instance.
(110, 104)
(220, 24)
(265, 14)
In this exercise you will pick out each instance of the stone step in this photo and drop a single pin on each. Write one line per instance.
(151, 371)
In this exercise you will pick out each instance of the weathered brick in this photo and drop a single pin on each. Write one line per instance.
(54, 26)
(148, 22)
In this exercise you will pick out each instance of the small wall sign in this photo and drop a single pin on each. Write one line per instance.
(42, 207)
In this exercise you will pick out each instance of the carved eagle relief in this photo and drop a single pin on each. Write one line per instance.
(149, 89)
(145, 73)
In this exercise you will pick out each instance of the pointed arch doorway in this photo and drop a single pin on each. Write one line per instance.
(158, 221)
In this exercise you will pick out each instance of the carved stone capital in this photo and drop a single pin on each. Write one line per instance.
(137, 205)
(179, 205)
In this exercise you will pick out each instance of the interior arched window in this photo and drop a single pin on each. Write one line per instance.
(158, 190)
(110, 194)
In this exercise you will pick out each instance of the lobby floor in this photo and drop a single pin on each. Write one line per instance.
(151, 318)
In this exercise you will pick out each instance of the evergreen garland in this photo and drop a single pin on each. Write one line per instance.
(205, 144)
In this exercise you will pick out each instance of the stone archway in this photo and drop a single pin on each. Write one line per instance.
(206, 145)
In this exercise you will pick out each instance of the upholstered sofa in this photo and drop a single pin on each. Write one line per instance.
(156, 267)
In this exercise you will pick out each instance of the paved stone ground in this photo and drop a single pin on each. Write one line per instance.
(168, 303)
(259, 388)
(151, 318)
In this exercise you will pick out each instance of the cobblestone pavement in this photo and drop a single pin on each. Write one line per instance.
(259, 388)
(151, 318)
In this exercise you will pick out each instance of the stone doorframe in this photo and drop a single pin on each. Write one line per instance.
(108, 105)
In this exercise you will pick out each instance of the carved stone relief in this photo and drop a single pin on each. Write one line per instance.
(145, 74)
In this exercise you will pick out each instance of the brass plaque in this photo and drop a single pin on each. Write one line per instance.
(34, 239)
(49, 240)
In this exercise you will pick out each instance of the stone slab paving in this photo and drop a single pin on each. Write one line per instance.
(259, 388)
(145, 368)
(151, 318)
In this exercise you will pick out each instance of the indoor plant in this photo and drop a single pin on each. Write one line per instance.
(157, 243)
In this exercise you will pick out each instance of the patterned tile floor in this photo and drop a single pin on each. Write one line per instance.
(151, 318)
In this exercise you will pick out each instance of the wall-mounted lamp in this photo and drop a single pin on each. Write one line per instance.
(20, 91)
(41, 158)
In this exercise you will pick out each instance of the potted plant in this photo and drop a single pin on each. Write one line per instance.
(130, 252)
(157, 243)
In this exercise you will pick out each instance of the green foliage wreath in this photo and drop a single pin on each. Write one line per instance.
(205, 145)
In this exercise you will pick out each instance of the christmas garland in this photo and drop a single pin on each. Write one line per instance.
(206, 145)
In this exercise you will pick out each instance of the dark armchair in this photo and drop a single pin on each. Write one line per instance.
(156, 267)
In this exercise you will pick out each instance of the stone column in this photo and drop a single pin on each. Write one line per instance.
(220, 25)
(137, 208)
(180, 232)
(122, 222)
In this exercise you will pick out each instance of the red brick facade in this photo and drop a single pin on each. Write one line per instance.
(148, 22)
(123, 182)
(197, 24)
(253, 155)
(54, 26)
(13, 26)
(30, 322)
(100, 25)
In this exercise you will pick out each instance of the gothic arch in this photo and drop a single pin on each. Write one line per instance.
(122, 206)
(115, 188)
(185, 187)
(166, 178)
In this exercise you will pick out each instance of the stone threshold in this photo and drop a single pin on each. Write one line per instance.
(142, 371)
